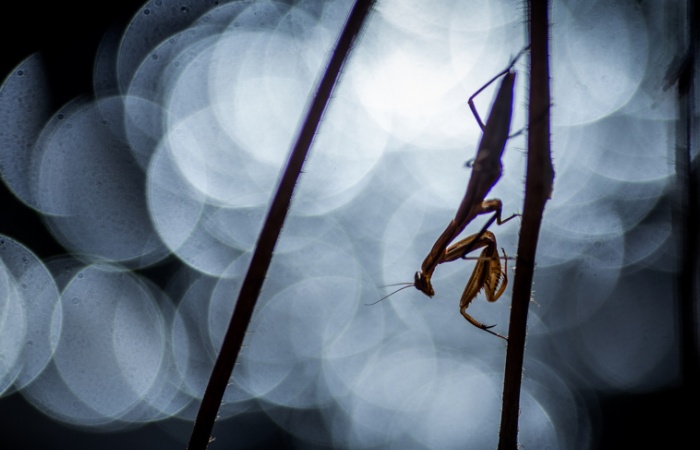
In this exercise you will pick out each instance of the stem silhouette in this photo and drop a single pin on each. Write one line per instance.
(538, 188)
(262, 256)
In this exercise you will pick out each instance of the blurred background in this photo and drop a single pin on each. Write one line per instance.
(140, 144)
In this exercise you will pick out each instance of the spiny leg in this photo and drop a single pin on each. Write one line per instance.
(487, 275)
(488, 278)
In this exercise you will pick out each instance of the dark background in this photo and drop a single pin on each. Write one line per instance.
(67, 34)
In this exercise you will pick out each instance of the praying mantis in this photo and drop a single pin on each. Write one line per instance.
(488, 273)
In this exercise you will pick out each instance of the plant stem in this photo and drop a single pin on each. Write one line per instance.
(538, 189)
(252, 284)
(688, 199)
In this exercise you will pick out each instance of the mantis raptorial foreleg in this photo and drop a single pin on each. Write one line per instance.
(488, 274)
(422, 279)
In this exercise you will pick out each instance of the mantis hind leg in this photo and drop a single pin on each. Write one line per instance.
(500, 74)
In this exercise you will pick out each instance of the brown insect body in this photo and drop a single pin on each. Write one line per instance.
(486, 171)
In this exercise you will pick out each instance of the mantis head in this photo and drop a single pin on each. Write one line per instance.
(422, 283)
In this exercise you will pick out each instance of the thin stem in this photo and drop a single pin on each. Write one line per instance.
(538, 188)
(688, 195)
(248, 295)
